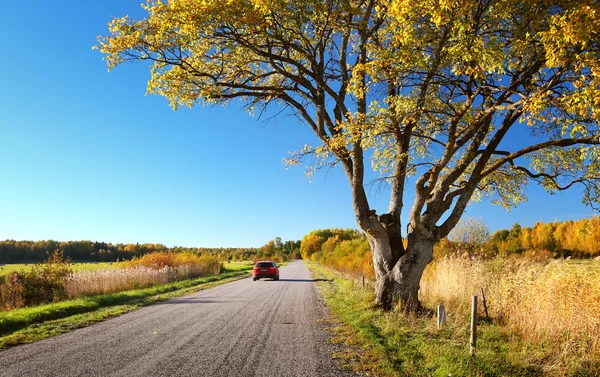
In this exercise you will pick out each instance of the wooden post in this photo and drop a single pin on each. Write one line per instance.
(474, 326)
(487, 315)
(441, 315)
(363, 281)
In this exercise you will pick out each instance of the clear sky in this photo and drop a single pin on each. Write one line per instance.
(86, 155)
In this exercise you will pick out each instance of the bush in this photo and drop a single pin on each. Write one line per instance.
(44, 283)
(11, 292)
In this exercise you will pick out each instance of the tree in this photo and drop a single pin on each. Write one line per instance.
(513, 244)
(278, 244)
(470, 235)
(311, 243)
(434, 89)
(269, 249)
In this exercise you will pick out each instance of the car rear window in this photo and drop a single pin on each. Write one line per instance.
(264, 264)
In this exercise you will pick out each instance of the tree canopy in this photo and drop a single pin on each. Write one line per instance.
(474, 98)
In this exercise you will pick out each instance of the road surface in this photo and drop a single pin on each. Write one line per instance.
(244, 328)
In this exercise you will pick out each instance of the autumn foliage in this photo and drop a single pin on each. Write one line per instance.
(577, 239)
(345, 250)
(580, 239)
(159, 260)
(348, 250)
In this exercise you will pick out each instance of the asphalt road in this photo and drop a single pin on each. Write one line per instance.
(244, 328)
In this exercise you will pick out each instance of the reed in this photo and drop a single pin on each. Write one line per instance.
(554, 302)
(88, 283)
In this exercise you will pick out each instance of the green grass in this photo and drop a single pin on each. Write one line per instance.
(394, 344)
(31, 324)
(589, 263)
(17, 267)
(238, 266)
(90, 266)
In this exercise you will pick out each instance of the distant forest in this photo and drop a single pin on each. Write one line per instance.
(12, 251)
(577, 239)
(580, 239)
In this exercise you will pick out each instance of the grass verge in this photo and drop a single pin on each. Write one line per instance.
(32, 324)
(393, 344)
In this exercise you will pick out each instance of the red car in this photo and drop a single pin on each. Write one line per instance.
(265, 269)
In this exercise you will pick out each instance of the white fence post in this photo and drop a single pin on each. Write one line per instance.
(441, 315)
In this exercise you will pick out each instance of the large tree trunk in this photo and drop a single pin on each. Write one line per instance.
(401, 282)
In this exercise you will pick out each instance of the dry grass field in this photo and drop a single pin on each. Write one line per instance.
(554, 302)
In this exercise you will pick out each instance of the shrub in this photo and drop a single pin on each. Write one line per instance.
(11, 292)
(44, 283)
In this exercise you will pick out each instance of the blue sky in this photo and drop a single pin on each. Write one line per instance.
(86, 155)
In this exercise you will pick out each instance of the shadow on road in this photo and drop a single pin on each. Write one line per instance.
(305, 280)
(200, 300)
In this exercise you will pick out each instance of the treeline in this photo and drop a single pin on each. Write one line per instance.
(278, 251)
(348, 250)
(577, 239)
(12, 251)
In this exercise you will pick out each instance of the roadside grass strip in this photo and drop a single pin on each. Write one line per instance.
(395, 344)
(35, 323)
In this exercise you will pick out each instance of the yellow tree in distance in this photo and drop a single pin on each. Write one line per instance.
(432, 89)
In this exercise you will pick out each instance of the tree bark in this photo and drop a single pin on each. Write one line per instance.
(401, 282)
